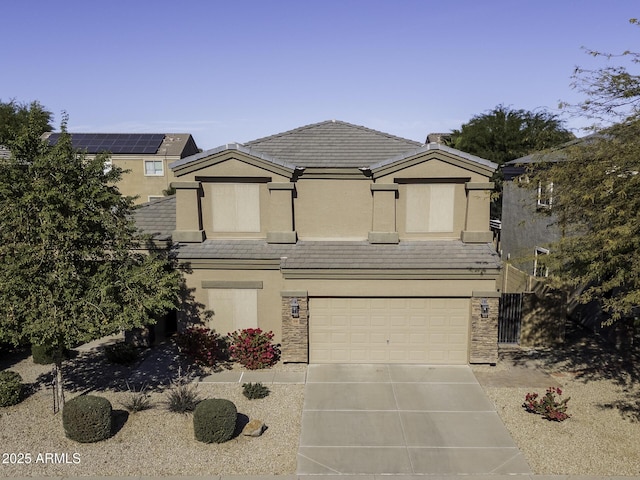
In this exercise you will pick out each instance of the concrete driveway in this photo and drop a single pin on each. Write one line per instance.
(402, 419)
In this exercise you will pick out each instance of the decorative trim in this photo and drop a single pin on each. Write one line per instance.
(251, 285)
(281, 186)
(476, 237)
(384, 237)
(480, 186)
(282, 237)
(233, 179)
(188, 236)
(185, 185)
(486, 294)
(384, 187)
(294, 293)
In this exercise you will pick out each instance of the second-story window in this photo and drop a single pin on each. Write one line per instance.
(430, 208)
(236, 207)
(545, 194)
(153, 168)
(540, 268)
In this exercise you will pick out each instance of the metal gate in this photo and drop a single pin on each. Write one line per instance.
(510, 318)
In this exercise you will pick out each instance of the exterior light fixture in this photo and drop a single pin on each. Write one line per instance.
(484, 308)
(295, 308)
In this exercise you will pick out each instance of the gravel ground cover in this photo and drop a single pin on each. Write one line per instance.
(150, 442)
(602, 437)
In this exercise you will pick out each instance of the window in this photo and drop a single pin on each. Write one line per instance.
(545, 195)
(430, 208)
(154, 168)
(150, 198)
(236, 207)
(540, 268)
(233, 309)
(108, 165)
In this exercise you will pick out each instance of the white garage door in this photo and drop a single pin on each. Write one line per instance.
(389, 330)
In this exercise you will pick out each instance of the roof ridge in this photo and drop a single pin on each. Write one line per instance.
(325, 122)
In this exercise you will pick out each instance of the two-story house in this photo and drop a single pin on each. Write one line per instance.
(145, 157)
(351, 245)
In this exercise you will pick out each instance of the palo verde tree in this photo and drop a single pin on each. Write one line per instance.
(504, 134)
(71, 269)
(596, 192)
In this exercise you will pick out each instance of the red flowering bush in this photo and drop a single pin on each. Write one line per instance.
(549, 406)
(253, 348)
(202, 345)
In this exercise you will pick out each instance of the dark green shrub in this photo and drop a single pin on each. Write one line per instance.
(254, 390)
(46, 354)
(87, 418)
(214, 420)
(10, 388)
(121, 353)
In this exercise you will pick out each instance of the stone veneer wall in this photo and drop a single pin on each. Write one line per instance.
(295, 331)
(484, 331)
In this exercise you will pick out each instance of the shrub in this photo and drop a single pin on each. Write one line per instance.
(87, 418)
(549, 406)
(183, 397)
(254, 390)
(214, 420)
(121, 353)
(46, 354)
(137, 400)
(202, 345)
(253, 348)
(10, 388)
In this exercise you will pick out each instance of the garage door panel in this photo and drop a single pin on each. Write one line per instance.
(383, 330)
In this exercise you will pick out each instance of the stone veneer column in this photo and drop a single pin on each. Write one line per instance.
(476, 228)
(188, 213)
(280, 228)
(484, 330)
(384, 213)
(295, 331)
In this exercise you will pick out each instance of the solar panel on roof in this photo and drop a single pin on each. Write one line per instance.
(126, 143)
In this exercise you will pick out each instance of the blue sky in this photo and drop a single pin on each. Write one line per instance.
(236, 70)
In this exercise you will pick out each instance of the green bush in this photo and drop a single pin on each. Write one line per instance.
(10, 388)
(87, 419)
(46, 354)
(214, 420)
(121, 353)
(254, 390)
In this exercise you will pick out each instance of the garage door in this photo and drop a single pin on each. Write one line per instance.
(389, 330)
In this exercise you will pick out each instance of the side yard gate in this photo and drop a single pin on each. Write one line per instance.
(510, 318)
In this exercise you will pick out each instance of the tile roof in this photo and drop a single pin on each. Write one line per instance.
(350, 255)
(157, 218)
(333, 144)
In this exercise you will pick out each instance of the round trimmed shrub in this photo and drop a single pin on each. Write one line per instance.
(214, 420)
(87, 418)
(10, 388)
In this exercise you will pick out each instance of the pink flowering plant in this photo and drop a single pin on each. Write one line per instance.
(549, 406)
(202, 345)
(253, 348)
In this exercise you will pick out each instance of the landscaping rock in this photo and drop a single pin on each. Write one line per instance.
(254, 428)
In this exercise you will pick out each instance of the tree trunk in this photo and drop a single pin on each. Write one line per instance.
(58, 391)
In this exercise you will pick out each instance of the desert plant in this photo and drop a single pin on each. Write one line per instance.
(87, 418)
(254, 390)
(10, 388)
(137, 400)
(121, 353)
(253, 348)
(214, 420)
(183, 396)
(548, 406)
(202, 345)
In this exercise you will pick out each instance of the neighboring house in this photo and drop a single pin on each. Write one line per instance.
(528, 224)
(5, 153)
(351, 245)
(146, 156)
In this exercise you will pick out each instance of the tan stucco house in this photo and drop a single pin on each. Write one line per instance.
(351, 245)
(144, 156)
